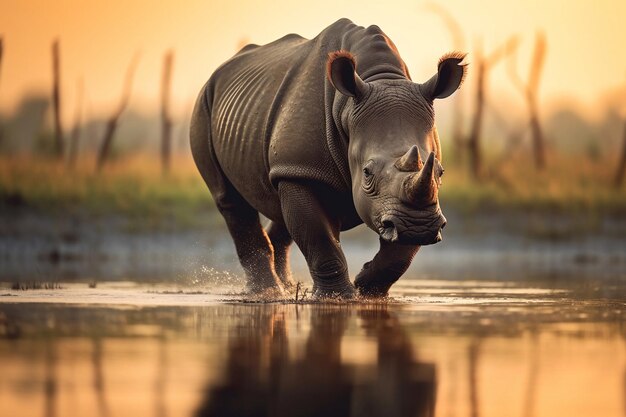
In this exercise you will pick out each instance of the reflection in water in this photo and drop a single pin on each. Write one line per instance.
(234, 359)
(161, 378)
(98, 377)
(533, 376)
(51, 384)
(263, 379)
(473, 353)
(404, 387)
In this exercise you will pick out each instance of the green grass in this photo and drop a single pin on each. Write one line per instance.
(134, 187)
(571, 184)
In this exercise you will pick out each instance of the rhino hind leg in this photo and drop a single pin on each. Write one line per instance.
(252, 243)
(316, 232)
(281, 242)
(253, 246)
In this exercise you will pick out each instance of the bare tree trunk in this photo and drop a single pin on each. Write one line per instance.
(166, 121)
(532, 97)
(458, 43)
(1, 52)
(621, 168)
(473, 141)
(111, 126)
(75, 136)
(530, 92)
(539, 149)
(56, 100)
(483, 63)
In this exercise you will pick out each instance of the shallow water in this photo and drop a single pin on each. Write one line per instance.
(443, 348)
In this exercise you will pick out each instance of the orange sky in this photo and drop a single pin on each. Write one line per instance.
(98, 39)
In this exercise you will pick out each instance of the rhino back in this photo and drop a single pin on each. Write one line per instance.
(272, 113)
(243, 91)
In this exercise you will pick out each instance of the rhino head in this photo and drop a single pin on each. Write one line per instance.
(394, 153)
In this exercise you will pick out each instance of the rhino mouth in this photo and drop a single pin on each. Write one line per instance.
(412, 227)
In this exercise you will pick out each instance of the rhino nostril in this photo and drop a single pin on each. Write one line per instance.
(388, 231)
(444, 224)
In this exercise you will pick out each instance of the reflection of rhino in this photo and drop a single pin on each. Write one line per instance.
(320, 136)
(319, 384)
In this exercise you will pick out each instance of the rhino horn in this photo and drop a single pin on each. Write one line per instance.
(421, 188)
(410, 161)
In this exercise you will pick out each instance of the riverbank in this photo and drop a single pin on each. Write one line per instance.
(57, 246)
(132, 222)
(135, 187)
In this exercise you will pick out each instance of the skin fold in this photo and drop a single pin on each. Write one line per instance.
(320, 136)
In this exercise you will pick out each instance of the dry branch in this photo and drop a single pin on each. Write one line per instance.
(512, 144)
(56, 99)
(621, 167)
(458, 43)
(75, 135)
(1, 52)
(166, 120)
(473, 141)
(111, 126)
(530, 92)
(482, 66)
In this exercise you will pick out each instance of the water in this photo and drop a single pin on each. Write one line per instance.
(503, 318)
(437, 348)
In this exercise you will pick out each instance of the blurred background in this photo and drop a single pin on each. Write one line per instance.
(97, 181)
(106, 222)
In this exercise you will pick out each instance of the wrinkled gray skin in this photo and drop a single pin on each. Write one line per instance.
(299, 134)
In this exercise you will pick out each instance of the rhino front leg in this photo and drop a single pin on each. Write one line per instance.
(316, 232)
(378, 275)
(281, 241)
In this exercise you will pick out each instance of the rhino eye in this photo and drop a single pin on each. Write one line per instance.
(368, 171)
(368, 178)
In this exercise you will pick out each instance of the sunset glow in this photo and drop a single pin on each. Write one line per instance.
(98, 40)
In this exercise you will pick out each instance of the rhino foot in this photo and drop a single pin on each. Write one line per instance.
(265, 287)
(336, 292)
(373, 290)
(289, 285)
(371, 284)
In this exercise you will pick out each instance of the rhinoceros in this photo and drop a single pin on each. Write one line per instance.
(319, 136)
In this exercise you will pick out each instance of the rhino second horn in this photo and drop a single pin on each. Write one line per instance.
(410, 161)
(421, 187)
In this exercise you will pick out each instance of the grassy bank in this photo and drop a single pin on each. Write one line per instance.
(571, 184)
(132, 187)
(135, 186)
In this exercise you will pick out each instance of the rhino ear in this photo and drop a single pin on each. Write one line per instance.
(451, 72)
(341, 71)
